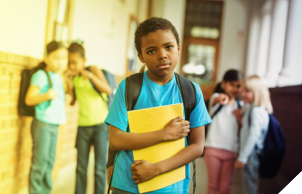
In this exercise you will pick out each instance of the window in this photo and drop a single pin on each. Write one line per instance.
(203, 19)
(201, 42)
(59, 20)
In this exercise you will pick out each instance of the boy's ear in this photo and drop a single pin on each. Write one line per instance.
(178, 48)
(141, 58)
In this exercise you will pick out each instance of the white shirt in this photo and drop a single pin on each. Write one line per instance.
(223, 131)
(253, 134)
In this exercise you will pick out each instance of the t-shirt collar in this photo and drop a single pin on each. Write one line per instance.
(150, 82)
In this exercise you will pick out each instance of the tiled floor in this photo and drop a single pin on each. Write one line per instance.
(65, 182)
(201, 179)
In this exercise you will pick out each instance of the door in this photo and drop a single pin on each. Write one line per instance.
(201, 43)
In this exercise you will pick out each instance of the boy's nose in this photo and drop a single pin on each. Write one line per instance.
(162, 54)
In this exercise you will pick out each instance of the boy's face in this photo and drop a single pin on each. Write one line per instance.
(76, 63)
(160, 53)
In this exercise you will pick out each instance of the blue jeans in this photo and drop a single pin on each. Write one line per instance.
(97, 136)
(250, 174)
(118, 191)
(44, 137)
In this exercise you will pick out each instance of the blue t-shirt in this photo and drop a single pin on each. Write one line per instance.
(52, 112)
(151, 95)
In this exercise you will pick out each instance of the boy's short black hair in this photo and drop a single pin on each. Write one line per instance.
(151, 25)
(77, 48)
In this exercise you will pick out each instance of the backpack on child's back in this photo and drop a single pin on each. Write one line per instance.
(26, 74)
(112, 83)
(272, 154)
(188, 94)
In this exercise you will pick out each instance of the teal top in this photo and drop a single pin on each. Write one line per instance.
(52, 112)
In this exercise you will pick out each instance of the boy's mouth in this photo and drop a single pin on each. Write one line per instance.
(164, 66)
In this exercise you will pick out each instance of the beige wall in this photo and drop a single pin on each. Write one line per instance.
(142, 10)
(103, 25)
(22, 27)
(232, 45)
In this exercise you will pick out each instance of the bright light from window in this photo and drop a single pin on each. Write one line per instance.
(201, 32)
(188, 68)
(200, 69)
(191, 68)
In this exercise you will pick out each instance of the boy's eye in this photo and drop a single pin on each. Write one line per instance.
(151, 52)
(169, 47)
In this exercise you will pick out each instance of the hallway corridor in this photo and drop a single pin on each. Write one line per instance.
(65, 182)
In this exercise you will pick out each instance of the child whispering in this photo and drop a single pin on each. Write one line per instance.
(222, 137)
(257, 107)
(90, 90)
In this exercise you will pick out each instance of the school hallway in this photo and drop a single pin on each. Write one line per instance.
(65, 183)
(257, 37)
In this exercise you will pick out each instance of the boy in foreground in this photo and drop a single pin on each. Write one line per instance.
(157, 44)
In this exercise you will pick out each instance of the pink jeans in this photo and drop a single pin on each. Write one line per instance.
(220, 164)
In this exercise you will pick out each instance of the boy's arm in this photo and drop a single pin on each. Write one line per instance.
(33, 97)
(120, 140)
(99, 80)
(143, 170)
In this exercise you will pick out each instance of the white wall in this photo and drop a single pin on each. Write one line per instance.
(175, 12)
(142, 10)
(104, 26)
(157, 8)
(232, 45)
(22, 27)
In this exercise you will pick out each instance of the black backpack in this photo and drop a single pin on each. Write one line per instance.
(23, 109)
(134, 84)
(218, 89)
(272, 154)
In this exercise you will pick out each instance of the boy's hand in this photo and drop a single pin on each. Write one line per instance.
(143, 171)
(176, 129)
(239, 165)
(223, 99)
(51, 94)
(86, 74)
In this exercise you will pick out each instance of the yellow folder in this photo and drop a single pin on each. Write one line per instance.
(152, 119)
